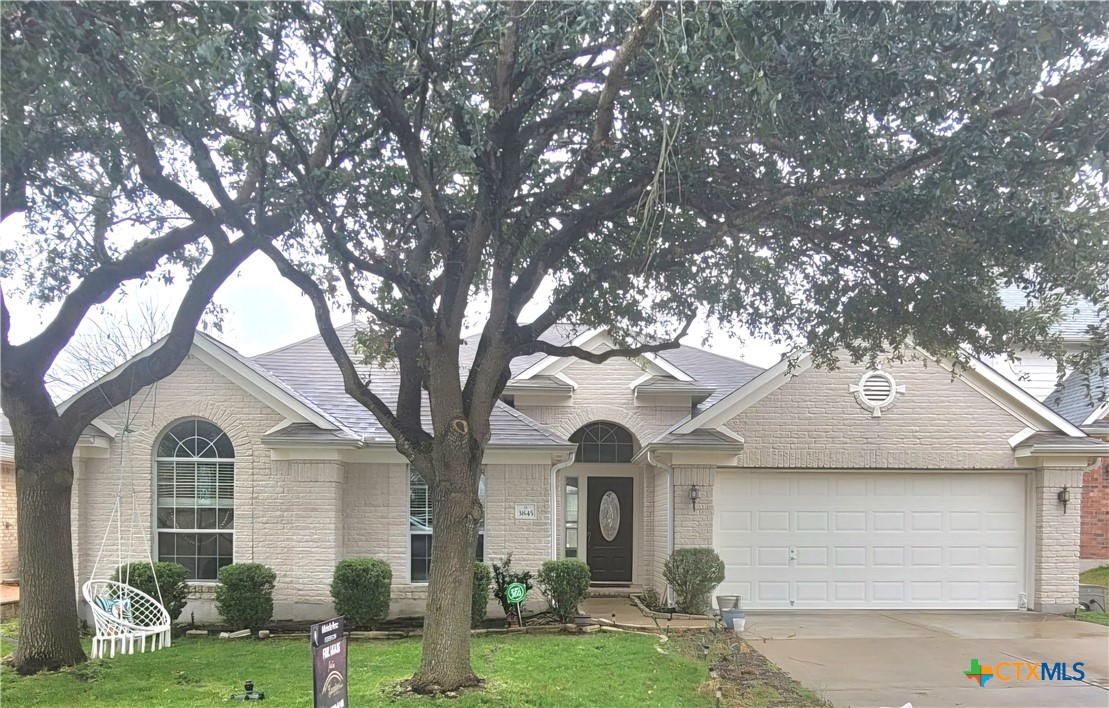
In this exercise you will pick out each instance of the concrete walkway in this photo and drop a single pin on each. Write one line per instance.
(893, 658)
(624, 613)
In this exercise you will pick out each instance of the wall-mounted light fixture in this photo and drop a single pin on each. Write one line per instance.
(693, 494)
(1064, 497)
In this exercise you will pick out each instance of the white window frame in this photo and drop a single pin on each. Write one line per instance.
(411, 532)
(159, 530)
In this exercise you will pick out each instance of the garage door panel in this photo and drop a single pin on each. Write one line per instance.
(873, 540)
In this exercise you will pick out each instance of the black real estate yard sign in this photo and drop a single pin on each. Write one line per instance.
(329, 664)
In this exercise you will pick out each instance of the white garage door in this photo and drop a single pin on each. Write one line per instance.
(871, 540)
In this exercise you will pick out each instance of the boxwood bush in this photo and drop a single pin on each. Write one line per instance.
(172, 580)
(479, 602)
(360, 588)
(693, 573)
(564, 584)
(244, 596)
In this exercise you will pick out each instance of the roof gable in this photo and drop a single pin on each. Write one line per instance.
(993, 386)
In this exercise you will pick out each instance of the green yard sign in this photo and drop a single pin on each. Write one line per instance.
(516, 592)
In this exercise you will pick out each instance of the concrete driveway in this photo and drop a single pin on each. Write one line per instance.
(893, 658)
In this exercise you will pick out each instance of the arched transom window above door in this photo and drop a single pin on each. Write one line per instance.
(603, 442)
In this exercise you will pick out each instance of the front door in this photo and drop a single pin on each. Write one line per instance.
(609, 526)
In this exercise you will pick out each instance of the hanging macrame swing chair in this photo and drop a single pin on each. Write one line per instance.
(125, 617)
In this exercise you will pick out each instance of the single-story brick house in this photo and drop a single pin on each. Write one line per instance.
(1083, 399)
(910, 486)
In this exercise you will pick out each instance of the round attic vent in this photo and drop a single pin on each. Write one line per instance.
(876, 391)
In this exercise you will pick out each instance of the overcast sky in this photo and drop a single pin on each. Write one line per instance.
(264, 311)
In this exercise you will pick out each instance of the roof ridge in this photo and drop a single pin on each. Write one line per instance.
(309, 338)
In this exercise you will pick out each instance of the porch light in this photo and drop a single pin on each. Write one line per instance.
(1064, 497)
(693, 494)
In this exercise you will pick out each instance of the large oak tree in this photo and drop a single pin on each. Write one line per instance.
(857, 176)
(852, 175)
(119, 150)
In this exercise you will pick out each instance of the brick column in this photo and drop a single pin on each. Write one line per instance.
(693, 527)
(1057, 539)
(1095, 515)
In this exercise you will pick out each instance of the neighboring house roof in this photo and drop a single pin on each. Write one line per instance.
(1077, 320)
(1083, 396)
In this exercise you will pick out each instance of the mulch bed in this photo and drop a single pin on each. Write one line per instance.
(741, 676)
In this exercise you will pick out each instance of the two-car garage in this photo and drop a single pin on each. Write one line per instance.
(872, 540)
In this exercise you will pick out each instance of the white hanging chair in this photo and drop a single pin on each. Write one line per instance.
(125, 617)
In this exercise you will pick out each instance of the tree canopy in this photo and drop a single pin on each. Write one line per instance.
(853, 175)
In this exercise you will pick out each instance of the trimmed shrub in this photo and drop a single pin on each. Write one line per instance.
(360, 588)
(244, 596)
(693, 573)
(503, 576)
(479, 601)
(564, 584)
(172, 580)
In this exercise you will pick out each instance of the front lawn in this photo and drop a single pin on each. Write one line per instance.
(1094, 576)
(525, 670)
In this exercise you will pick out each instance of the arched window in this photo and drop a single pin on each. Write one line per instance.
(603, 442)
(195, 471)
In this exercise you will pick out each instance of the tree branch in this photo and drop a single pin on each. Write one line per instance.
(411, 442)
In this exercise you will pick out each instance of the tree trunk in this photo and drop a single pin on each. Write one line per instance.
(445, 663)
(48, 631)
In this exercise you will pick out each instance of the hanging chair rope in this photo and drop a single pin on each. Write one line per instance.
(126, 617)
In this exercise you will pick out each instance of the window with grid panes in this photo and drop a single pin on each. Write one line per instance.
(195, 479)
(420, 525)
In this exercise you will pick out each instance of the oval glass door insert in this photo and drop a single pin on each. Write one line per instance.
(609, 514)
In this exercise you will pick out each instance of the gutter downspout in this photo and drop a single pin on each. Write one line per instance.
(669, 514)
(555, 469)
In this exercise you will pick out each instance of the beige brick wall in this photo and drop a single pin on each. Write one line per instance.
(9, 536)
(604, 393)
(375, 521)
(193, 391)
(297, 516)
(693, 526)
(1057, 538)
(814, 421)
(660, 530)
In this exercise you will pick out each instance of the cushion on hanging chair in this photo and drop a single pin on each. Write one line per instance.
(120, 609)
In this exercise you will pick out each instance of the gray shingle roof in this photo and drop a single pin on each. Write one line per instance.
(307, 368)
(700, 437)
(1096, 446)
(1080, 393)
(720, 373)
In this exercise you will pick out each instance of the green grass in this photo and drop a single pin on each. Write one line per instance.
(520, 670)
(1095, 576)
(1095, 617)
